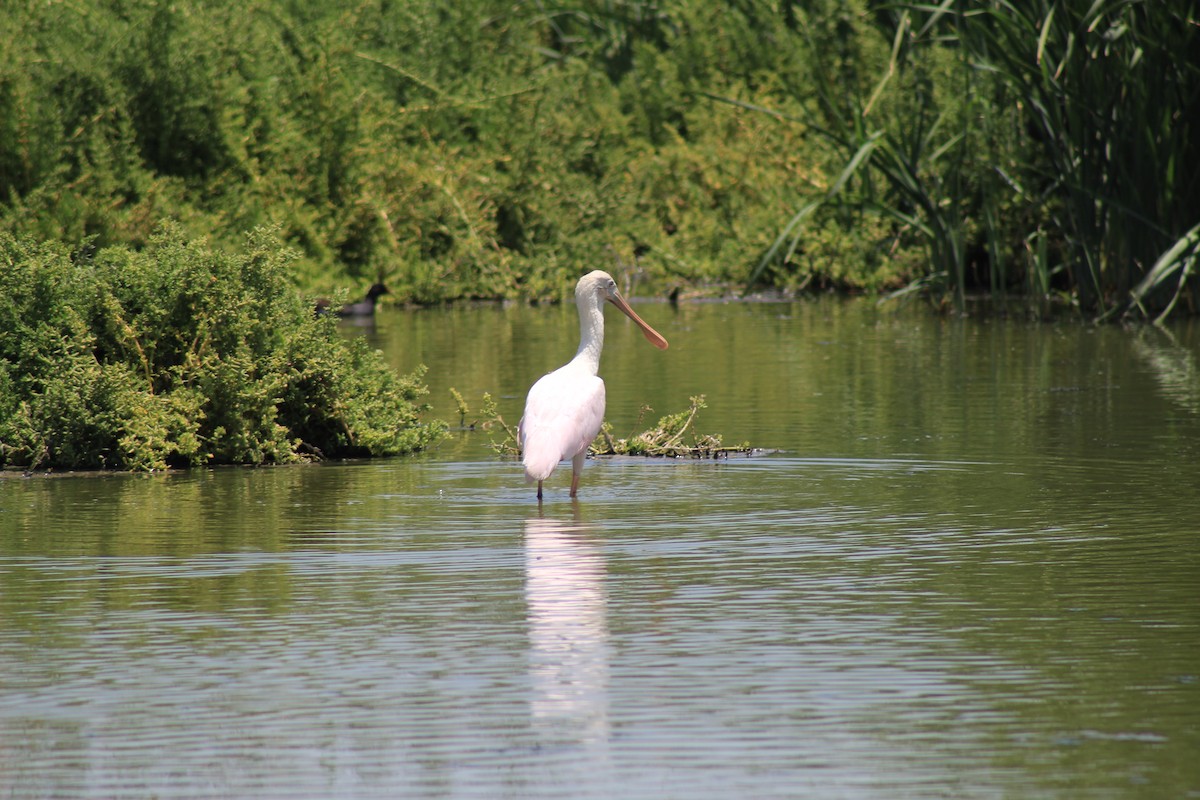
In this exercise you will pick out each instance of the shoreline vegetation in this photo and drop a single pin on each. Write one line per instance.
(179, 181)
(498, 150)
(177, 356)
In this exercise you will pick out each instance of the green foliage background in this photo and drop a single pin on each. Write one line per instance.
(499, 149)
(473, 149)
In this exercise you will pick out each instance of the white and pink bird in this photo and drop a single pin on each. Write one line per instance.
(565, 408)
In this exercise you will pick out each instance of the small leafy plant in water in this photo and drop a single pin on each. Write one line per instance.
(674, 436)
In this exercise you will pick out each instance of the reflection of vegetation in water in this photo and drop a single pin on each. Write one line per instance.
(180, 356)
(1173, 366)
(674, 436)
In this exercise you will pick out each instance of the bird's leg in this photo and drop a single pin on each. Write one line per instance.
(539, 490)
(576, 470)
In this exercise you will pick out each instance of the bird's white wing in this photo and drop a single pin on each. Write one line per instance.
(563, 414)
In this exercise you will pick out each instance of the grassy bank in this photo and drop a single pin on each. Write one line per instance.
(484, 149)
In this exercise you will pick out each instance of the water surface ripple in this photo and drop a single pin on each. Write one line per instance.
(938, 600)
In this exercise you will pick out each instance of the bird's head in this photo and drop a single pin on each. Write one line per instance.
(598, 287)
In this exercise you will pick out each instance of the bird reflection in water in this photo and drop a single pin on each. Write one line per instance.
(569, 641)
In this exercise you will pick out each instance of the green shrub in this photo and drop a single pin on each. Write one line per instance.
(180, 355)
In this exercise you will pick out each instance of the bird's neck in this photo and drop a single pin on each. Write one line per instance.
(591, 339)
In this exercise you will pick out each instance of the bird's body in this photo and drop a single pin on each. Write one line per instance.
(563, 414)
(363, 308)
(565, 408)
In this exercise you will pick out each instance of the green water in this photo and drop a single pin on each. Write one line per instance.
(971, 568)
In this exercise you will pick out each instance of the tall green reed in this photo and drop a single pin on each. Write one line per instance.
(1111, 91)
(900, 129)
(1102, 197)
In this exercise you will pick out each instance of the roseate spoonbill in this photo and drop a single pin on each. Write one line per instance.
(564, 408)
(363, 308)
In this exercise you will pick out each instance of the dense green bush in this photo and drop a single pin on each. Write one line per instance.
(179, 355)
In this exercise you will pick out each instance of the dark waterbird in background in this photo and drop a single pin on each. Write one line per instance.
(565, 408)
(363, 308)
